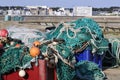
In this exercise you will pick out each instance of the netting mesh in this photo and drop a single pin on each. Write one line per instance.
(14, 58)
(115, 50)
(80, 31)
(86, 70)
(26, 35)
(64, 72)
(75, 34)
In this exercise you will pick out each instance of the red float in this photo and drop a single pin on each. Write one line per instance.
(3, 33)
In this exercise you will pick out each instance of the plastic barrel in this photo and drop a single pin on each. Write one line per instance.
(98, 60)
(84, 55)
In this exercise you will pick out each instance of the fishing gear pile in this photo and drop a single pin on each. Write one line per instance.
(60, 48)
(82, 34)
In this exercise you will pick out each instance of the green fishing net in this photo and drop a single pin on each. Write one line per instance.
(75, 34)
(86, 70)
(14, 58)
(115, 51)
(64, 72)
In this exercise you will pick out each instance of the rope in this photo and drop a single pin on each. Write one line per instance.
(75, 31)
(59, 56)
(93, 43)
(82, 48)
(66, 28)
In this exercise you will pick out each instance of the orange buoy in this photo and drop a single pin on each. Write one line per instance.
(34, 51)
(17, 45)
(36, 43)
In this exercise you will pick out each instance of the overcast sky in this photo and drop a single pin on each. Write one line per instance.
(61, 3)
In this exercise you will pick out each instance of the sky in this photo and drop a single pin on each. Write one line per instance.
(61, 3)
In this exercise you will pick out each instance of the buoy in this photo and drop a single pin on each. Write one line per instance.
(22, 73)
(17, 45)
(54, 43)
(36, 43)
(12, 43)
(46, 59)
(3, 33)
(34, 51)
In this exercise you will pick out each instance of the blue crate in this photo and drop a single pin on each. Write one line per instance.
(98, 60)
(88, 56)
(84, 55)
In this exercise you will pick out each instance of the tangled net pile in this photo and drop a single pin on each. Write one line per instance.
(75, 34)
(13, 57)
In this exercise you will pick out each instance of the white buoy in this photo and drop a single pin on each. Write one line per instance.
(46, 59)
(12, 43)
(22, 73)
(54, 43)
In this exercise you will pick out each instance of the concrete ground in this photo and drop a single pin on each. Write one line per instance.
(113, 73)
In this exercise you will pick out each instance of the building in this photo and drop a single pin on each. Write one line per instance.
(82, 11)
(43, 10)
(33, 10)
(68, 11)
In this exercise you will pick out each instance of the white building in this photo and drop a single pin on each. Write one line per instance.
(68, 12)
(10, 12)
(82, 11)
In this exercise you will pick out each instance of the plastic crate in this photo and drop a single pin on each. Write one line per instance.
(88, 56)
(84, 55)
(98, 60)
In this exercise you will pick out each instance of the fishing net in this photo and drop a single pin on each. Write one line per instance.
(115, 49)
(80, 31)
(64, 72)
(75, 34)
(26, 35)
(86, 70)
(14, 58)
